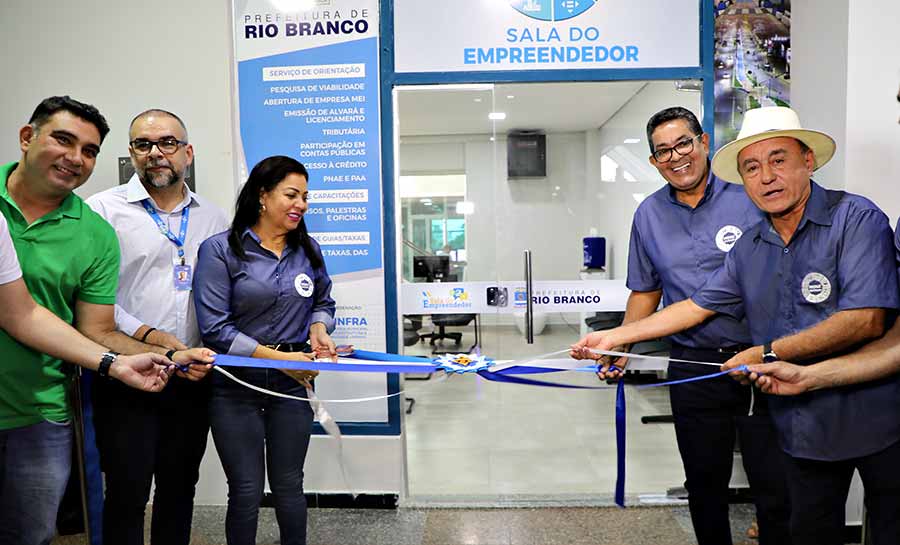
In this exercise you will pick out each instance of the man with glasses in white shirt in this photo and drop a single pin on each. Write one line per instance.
(160, 223)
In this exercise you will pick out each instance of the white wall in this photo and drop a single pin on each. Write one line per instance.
(873, 77)
(551, 215)
(819, 75)
(846, 71)
(124, 57)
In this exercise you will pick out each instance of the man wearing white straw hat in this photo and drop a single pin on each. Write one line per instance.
(817, 277)
(876, 360)
(680, 236)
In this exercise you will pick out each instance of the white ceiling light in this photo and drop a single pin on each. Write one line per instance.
(465, 207)
(632, 140)
(497, 116)
(510, 96)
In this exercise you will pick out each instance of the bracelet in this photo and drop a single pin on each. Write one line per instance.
(147, 334)
(170, 354)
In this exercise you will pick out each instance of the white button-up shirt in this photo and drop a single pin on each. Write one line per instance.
(147, 293)
(9, 265)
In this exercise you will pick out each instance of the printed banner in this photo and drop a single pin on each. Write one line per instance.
(475, 35)
(510, 297)
(307, 84)
(752, 60)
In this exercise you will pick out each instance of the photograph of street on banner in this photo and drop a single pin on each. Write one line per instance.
(752, 60)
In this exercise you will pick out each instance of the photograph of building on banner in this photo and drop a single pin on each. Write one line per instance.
(752, 60)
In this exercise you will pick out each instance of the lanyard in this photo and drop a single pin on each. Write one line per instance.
(164, 229)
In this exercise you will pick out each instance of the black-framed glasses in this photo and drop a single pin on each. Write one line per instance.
(167, 146)
(684, 147)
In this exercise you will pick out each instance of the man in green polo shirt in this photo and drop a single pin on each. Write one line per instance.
(70, 262)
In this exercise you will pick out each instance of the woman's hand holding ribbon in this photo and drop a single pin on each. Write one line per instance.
(303, 376)
(321, 342)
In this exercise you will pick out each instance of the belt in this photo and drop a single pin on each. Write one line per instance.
(290, 347)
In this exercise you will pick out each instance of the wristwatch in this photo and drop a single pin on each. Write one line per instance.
(769, 355)
(106, 362)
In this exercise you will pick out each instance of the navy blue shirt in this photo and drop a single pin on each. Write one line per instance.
(258, 300)
(676, 248)
(840, 258)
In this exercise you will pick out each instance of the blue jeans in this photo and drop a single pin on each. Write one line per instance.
(254, 433)
(35, 462)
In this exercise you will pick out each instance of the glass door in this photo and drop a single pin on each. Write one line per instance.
(488, 173)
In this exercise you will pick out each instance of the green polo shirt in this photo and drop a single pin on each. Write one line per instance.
(69, 255)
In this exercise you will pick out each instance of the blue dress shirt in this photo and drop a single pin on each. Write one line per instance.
(676, 248)
(262, 299)
(840, 258)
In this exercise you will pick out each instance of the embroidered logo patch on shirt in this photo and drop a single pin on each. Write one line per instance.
(815, 287)
(727, 236)
(303, 284)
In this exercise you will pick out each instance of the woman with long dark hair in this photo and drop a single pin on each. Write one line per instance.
(261, 290)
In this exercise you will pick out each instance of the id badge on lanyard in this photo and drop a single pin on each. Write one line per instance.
(182, 273)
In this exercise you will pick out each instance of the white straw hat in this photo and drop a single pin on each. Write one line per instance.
(762, 124)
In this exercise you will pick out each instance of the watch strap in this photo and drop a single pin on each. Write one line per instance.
(106, 362)
(769, 354)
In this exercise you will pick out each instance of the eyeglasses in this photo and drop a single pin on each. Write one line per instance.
(167, 146)
(664, 155)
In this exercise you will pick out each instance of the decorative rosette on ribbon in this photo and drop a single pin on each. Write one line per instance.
(462, 363)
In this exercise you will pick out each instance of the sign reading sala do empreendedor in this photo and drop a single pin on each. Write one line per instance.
(307, 86)
(481, 35)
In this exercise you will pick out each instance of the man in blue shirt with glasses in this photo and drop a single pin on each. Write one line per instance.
(817, 277)
(680, 236)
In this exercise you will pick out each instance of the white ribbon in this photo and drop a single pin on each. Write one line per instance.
(646, 357)
(298, 398)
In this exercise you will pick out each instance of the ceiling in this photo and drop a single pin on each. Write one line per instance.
(549, 107)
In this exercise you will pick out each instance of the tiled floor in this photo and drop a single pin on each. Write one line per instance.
(471, 437)
(546, 526)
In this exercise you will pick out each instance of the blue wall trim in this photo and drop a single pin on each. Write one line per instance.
(708, 73)
(527, 76)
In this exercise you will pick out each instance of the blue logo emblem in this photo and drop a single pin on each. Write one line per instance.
(552, 10)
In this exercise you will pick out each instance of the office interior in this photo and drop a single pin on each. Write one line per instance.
(466, 217)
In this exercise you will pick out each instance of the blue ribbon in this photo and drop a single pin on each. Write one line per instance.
(508, 375)
(383, 356)
(498, 377)
(238, 361)
(743, 368)
(620, 444)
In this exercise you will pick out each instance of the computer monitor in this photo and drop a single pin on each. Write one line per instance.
(432, 267)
